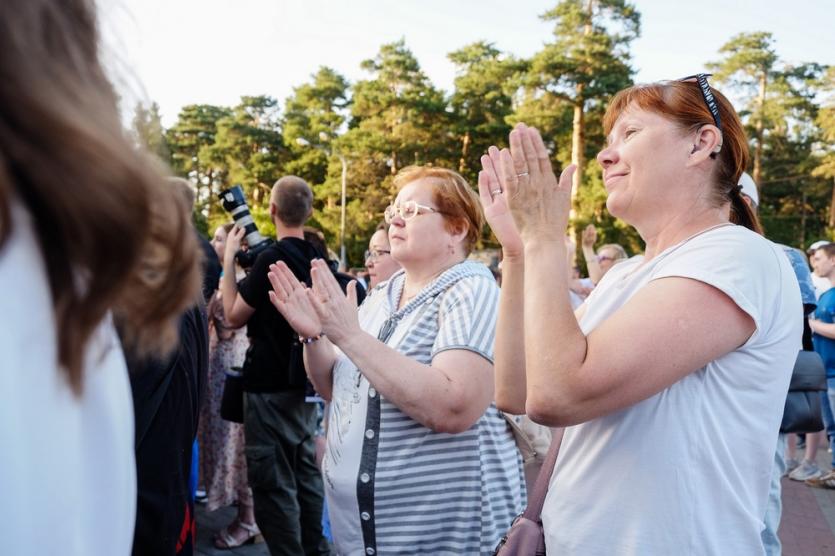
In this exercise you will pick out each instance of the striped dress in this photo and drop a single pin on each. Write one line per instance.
(394, 486)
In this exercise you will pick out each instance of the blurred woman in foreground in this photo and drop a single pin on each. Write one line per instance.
(89, 230)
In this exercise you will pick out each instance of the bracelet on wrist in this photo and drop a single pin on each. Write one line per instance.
(310, 340)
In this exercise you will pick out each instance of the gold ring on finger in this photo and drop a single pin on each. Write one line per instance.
(521, 174)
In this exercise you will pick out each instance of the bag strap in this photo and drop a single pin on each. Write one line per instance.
(536, 498)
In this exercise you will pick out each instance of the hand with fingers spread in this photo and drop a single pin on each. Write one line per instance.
(493, 194)
(539, 202)
(337, 311)
(292, 300)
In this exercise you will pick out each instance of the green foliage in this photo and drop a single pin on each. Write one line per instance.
(396, 117)
(777, 103)
(482, 102)
(194, 131)
(148, 132)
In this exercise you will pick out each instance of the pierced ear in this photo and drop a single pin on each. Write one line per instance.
(707, 137)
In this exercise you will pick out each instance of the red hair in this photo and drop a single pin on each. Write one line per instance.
(682, 103)
(456, 200)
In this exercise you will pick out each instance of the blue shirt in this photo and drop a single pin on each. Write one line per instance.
(826, 346)
(801, 270)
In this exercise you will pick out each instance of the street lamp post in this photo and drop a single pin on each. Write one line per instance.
(343, 261)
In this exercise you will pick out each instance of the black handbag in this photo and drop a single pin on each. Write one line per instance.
(232, 401)
(802, 413)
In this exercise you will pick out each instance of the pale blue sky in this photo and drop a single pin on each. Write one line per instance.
(180, 52)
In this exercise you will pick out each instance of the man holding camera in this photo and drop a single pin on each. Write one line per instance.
(278, 423)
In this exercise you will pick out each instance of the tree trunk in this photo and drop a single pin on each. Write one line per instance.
(803, 218)
(578, 141)
(393, 163)
(758, 130)
(465, 152)
(832, 206)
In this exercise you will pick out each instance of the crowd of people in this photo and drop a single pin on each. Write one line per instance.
(667, 370)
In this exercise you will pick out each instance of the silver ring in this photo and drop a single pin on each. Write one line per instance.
(496, 192)
(522, 174)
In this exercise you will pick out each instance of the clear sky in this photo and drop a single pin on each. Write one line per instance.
(179, 52)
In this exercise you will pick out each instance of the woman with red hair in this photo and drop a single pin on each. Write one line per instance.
(671, 377)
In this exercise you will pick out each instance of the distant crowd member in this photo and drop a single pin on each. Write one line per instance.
(418, 459)
(823, 327)
(658, 406)
(279, 425)
(578, 288)
(222, 457)
(89, 231)
(774, 508)
(607, 255)
(378, 260)
(822, 284)
(211, 261)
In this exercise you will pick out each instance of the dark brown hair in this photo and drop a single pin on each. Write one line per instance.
(682, 102)
(293, 200)
(454, 197)
(105, 218)
(828, 249)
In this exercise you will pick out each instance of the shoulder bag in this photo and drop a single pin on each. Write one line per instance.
(526, 536)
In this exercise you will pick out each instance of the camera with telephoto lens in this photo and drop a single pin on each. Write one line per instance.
(234, 203)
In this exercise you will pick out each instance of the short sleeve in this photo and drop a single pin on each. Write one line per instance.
(255, 287)
(467, 317)
(749, 269)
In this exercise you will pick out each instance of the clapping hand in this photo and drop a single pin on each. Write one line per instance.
(337, 311)
(539, 203)
(292, 299)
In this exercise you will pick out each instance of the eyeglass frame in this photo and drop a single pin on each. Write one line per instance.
(398, 210)
(707, 95)
(374, 254)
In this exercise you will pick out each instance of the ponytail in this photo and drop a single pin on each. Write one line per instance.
(742, 213)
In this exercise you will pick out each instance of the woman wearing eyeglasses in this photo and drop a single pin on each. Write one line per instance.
(418, 458)
(378, 260)
(671, 376)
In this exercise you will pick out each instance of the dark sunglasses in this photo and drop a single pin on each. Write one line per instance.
(707, 94)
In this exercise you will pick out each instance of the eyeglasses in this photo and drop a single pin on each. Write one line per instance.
(406, 211)
(707, 95)
(601, 258)
(374, 254)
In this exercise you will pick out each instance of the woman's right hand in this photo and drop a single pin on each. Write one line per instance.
(493, 194)
(290, 297)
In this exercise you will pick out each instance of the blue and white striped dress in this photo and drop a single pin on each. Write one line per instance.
(394, 486)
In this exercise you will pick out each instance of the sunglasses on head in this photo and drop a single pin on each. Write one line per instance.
(707, 95)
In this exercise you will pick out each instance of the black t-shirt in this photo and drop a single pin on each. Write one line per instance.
(267, 360)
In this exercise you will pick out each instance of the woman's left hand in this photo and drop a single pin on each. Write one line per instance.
(337, 311)
(540, 204)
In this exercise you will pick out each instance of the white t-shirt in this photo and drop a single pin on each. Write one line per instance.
(687, 470)
(822, 285)
(67, 469)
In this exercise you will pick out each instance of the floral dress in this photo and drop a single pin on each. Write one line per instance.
(222, 459)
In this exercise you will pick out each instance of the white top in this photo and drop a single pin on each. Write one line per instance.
(822, 284)
(687, 470)
(67, 470)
